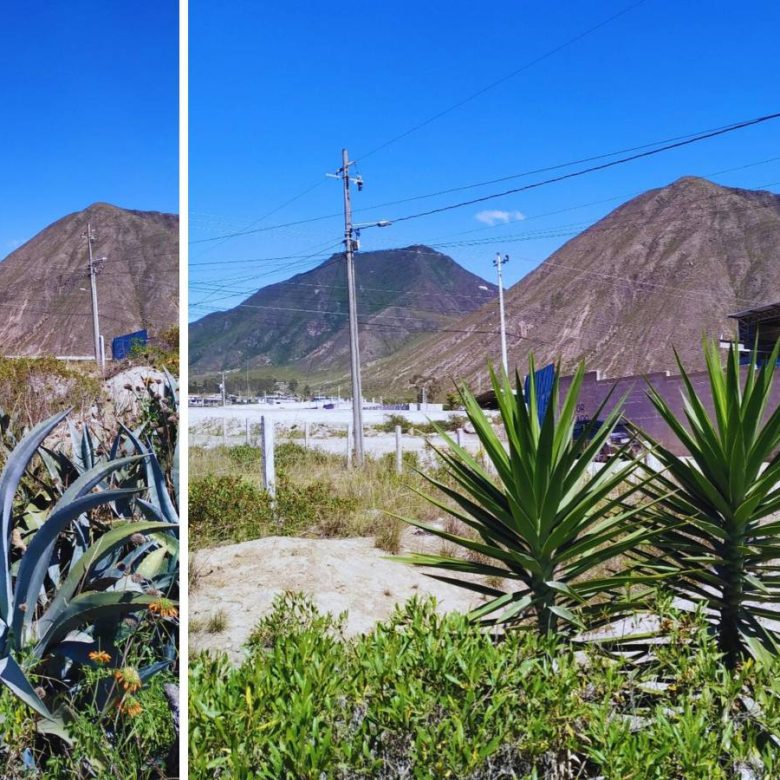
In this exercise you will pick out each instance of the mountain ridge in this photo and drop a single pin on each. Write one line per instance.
(44, 286)
(663, 269)
(303, 320)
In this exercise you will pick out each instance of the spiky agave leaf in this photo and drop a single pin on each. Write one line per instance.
(88, 594)
(12, 473)
(155, 480)
(88, 608)
(35, 561)
(79, 575)
(550, 521)
(719, 536)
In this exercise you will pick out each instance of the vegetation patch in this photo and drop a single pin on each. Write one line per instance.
(628, 627)
(35, 388)
(89, 565)
(391, 421)
(427, 696)
(163, 352)
(316, 495)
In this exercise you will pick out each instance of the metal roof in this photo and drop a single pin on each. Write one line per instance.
(769, 311)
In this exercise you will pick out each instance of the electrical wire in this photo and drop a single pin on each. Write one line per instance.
(264, 217)
(685, 141)
(592, 169)
(503, 79)
(278, 260)
(550, 232)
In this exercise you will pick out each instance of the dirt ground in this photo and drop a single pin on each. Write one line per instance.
(240, 582)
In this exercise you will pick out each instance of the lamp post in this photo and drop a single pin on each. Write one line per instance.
(498, 263)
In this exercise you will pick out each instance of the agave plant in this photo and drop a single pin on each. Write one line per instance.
(718, 543)
(551, 520)
(66, 583)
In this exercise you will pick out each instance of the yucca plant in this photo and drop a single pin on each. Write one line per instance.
(67, 582)
(550, 521)
(719, 536)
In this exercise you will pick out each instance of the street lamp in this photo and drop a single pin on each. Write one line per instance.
(498, 263)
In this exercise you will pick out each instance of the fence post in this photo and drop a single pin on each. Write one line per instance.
(398, 452)
(459, 437)
(350, 434)
(247, 432)
(267, 440)
(224, 432)
(306, 435)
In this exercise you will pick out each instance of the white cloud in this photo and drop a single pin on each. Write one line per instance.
(495, 216)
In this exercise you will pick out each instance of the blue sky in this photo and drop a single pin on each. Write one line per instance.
(276, 89)
(89, 98)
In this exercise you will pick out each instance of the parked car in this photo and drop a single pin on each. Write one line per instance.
(621, 436)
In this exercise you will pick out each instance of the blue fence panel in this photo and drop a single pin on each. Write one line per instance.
(122, 346)
(543, 384)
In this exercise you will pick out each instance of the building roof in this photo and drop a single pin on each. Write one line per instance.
(769, 311)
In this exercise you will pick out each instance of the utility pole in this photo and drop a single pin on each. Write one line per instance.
(222, 389)
(90, 236)
(498, 263)
(349, 246)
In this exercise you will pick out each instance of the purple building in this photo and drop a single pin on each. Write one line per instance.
(763, 321)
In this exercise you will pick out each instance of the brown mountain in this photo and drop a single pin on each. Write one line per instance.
(401, 293)
(44, 286)
(661, 271)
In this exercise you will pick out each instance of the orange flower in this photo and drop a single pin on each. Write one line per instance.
(128, 678)
(99, 656)
(129, 705)
(163, 607)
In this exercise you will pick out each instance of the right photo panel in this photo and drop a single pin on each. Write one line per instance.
(483, 427)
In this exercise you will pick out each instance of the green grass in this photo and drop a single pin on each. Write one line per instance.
(427, 696)
(317, 496)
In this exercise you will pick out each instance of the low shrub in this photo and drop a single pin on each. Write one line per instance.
(33, 389)
(163, 352)
(316, 495)
(137, 745)
(228, 509)
(427, 696)
(452, 423)
(392, 421)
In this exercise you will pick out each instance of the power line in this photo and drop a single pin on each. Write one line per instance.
(552, 231)
(612, 278)
(440, 114)
(256, 260)
(548, 168)
(526, 217)
(503, 79)
(265, 216)
(592, 169)
(686, 140)
(305, 259)
(363, 323)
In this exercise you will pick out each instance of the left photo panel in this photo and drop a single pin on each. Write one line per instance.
(89, 390)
